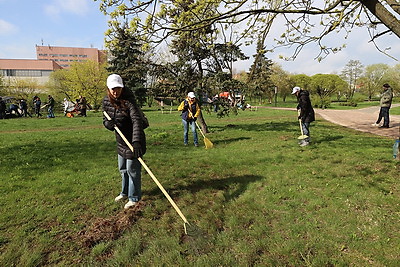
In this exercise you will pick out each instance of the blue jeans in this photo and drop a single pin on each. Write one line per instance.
(51, 113)
(186, 130)
(131, 173)
(306, 130)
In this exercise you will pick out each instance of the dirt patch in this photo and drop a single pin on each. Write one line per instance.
(106, 229)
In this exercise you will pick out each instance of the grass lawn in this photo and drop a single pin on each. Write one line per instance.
(258, 198)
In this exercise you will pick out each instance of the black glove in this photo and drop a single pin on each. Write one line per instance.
(194, 118)
(137, 150)
(109, 124)
(299, 117)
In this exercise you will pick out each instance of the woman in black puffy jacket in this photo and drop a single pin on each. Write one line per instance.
(120, 105)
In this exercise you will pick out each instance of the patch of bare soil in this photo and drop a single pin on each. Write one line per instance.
(106, 229)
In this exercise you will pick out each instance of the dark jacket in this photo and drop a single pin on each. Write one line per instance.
(129, 121)
(187, 105)
(2, 106)
(306, 110)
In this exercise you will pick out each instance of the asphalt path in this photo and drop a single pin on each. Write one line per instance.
(360, 120)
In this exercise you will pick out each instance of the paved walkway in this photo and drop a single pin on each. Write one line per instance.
(361, 120)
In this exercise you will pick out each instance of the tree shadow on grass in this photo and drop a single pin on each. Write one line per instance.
(233, 186)
(266, 126)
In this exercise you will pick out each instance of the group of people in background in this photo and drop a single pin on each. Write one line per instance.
(307, 115)
(20, 108)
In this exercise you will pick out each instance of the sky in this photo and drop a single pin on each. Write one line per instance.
(79, 23)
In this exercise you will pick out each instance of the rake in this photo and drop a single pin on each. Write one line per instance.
(190, 229)
(207, 141)
(302, 136)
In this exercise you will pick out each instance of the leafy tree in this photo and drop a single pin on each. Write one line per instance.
(156, 18)
(260, 75)
(2, 85)
(127, 60)
(281, 79)
(351, 73)
(392, 77)
(82, 78)
(24, 88)
(325, 86)
(373, 79)
(301, 80)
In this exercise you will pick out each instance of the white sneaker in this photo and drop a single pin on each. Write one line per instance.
(130, 204)
(375, 124)
(120, 197)
(304, 144)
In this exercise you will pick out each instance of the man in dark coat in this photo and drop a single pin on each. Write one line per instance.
(385, 103)
(306, 112)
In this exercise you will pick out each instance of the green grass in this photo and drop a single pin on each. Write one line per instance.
(259, 199)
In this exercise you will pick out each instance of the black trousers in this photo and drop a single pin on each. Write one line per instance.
(384, 113)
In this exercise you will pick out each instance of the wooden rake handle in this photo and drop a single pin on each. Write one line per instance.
(191, 114)
(149, 172)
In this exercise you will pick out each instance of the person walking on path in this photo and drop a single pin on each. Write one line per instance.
(385, 103)
(120, 105)
(190, 111)
(306, 112)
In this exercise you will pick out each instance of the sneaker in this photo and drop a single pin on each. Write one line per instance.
(304, 144)
(196, 145)
(130, 204)
(384, 126)
(120, 197)
(375, 124)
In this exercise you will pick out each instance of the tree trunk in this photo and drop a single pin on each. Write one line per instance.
(387, 18)
(202, 123)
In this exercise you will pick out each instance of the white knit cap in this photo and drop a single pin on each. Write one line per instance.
(114, 80)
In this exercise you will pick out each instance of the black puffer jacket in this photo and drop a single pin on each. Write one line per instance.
(129, 122)
(306, 110)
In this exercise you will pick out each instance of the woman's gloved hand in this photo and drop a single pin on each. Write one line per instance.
(137, 150)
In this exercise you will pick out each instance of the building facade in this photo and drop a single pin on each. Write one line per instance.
(65, 56)
(27, 68)
(49, 59)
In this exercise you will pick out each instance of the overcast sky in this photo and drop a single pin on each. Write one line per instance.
(79, 23)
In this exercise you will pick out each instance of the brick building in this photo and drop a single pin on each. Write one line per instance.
(49, 59)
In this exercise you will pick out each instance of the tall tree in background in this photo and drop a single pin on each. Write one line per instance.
(351, 73)
(127, 60)
(373, 79)
(301, 80)
(325, 86)
(259, 75)
(281, 79)
(82, 78)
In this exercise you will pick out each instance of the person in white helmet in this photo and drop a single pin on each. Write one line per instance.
(190, 111)
(306, 112)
